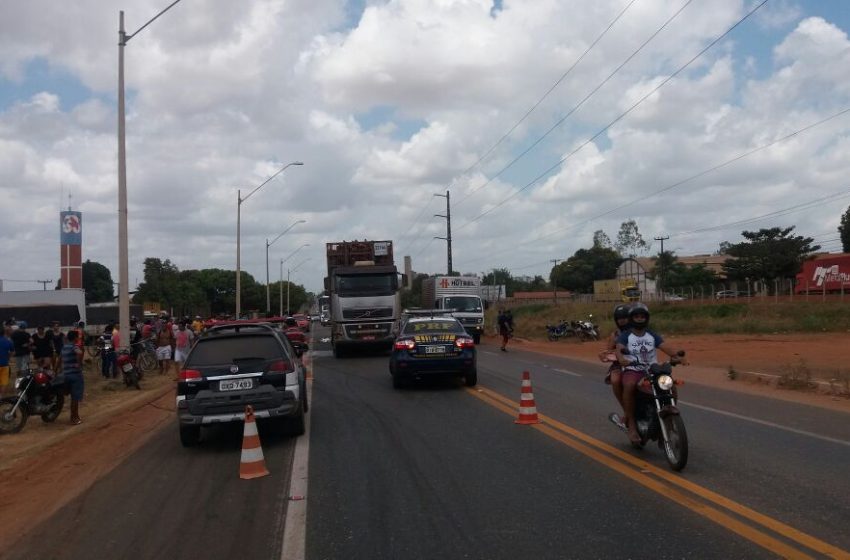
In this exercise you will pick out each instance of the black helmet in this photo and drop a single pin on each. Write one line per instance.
(621, 311)
(636, 309)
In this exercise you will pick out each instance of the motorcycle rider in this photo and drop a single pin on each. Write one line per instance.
(614, 377)
(637, 344)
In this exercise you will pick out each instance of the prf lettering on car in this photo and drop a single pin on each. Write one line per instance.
(433, 326)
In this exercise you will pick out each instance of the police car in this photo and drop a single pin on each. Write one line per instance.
(432, 345)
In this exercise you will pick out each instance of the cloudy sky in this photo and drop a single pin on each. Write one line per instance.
(545, 119)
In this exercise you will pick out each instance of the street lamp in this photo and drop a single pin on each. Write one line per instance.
(123, 258)
(287, 281)
(280, 295)
(268, 244)
(240, 200)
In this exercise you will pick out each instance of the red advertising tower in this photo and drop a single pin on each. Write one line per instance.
(71, 249)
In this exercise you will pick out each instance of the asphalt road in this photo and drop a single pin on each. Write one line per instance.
(169, 502)
(440, 471)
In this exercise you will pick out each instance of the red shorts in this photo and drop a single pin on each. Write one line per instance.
(631, 376)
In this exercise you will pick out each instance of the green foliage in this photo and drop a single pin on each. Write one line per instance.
(413, 297)
(579, 271)
(767, 254)
(629, 239)
(844, 231)
(97, 282)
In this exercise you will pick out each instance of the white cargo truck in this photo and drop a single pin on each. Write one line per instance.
(461, 294)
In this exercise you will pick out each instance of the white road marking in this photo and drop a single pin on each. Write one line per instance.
(574, 374)
(766, 423)
(295, 525)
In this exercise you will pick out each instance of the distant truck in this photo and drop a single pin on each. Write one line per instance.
(830, 274)
(615, 290)
(363, 289)
(461, 293)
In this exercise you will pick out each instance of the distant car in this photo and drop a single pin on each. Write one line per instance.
(235, 365)
(433, 346)
(673, 297)
(723, 294)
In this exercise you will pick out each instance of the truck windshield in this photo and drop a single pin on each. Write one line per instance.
(468, 304)
(367, 285)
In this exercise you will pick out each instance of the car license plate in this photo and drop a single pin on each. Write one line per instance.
(235, 385)
(368, 337)
(435, 350)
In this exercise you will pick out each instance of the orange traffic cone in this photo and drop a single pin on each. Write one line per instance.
(527, 408)
(253, 463)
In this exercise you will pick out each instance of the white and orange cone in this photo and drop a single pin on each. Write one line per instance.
(253, 463)
(527, 408)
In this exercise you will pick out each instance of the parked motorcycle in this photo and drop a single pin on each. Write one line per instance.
(563, 329)
(656, 414)
(128, 368)
(39, 392)
(587, 330)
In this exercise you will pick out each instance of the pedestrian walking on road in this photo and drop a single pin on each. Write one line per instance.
(164, 340)
(182, 344)
(72, 369)
(506, 327)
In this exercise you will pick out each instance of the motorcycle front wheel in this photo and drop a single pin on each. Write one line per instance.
(52, 414)
(12, 423)
(676, 444)
(147, 361)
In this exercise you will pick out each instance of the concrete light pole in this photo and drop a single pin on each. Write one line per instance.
(287, 278)
(239, 201)
(269, 244)
(123, 252)
(287, 281)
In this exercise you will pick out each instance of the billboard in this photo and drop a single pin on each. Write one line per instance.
(71, 228)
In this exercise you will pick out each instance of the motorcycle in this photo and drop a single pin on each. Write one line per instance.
(127, 365)
(656, 414)
(39, 392)
(561, 330)
(587, 330)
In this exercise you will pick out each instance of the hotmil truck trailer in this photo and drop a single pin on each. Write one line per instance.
(460, 293)
(623, 290)
(363, 286)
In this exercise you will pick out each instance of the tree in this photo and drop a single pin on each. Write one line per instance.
(601, 239)
(767, 254)
(677, 275)
(629, 240)
(844, 231)
(578, 272)
(97, 282)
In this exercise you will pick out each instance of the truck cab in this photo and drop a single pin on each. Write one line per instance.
(468, 309)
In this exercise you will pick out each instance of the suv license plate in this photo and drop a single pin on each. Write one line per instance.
(435, 349)
(235, 385)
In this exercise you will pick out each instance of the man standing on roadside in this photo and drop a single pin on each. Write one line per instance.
(7, 348)
(506, 327)
(164, 340)
(182, 344)
(57, 339)
(72, 369)
(23, 346)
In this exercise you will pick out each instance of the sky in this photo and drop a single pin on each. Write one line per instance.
(545, 120)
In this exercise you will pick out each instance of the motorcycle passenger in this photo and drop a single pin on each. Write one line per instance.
(637, 344)
(614, 377)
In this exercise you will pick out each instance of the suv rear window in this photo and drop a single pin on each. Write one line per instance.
(216, 351)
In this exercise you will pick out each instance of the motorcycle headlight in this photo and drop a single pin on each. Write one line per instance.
(665, 382)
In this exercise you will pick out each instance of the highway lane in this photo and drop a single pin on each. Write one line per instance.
(442, 471)
(166, 501)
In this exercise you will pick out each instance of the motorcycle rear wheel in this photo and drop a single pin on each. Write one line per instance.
(52, 414)
(676, 444)
(147, 361)
(15, 423)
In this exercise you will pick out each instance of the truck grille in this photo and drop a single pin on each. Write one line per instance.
(367, 313)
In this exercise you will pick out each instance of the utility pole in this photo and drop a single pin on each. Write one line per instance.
(448, 237)
(661, 265)
(44, 283)
(554, 285)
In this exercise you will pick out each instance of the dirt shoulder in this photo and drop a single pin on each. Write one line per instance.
(761, 363)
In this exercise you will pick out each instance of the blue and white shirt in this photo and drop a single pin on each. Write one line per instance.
(640, 348)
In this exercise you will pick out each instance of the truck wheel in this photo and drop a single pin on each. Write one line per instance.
(477, 338)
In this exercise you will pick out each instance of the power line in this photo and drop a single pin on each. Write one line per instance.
(577, 106)
(616, 120)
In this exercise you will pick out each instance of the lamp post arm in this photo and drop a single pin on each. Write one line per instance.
(150, 21)
(284, 232)
(264, 183)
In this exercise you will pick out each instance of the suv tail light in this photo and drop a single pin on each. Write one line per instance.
(280, 366)
(464, 342)
(190, 375)
(404, 344)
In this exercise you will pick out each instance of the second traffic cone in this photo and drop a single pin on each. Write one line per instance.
(527, 408)
(253, 463)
